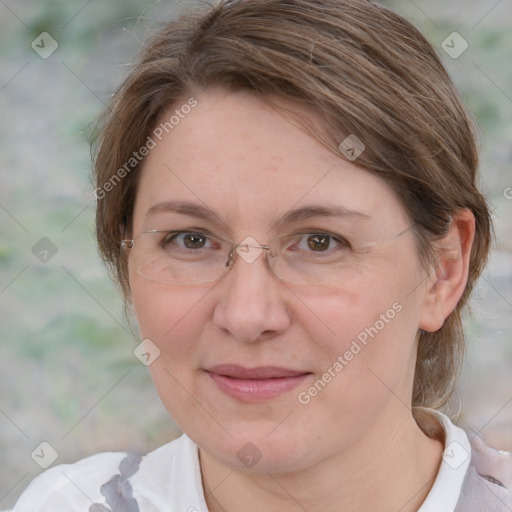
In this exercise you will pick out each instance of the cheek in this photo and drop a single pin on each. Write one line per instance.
(368, 332)
(369, 308)
(168, 316)
(171, 319)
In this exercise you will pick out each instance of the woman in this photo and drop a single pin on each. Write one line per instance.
(291, 210)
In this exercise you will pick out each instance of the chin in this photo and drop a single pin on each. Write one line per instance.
(252, 449)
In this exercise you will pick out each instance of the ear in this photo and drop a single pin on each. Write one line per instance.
(449, 277)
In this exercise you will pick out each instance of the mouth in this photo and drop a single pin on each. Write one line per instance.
(255, 384)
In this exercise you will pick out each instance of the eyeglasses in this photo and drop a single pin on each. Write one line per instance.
(193, 257)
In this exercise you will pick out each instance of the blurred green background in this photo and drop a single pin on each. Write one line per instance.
(68, 373)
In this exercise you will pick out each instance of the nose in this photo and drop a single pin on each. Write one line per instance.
(252, 304)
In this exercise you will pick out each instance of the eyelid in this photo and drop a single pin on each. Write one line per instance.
(335, 236)
(196, 231)
(338, 242)
(201, 232)
(206, 232)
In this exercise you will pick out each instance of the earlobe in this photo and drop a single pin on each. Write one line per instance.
(448, 280)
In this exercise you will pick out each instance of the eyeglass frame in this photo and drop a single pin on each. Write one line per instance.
(129, 243)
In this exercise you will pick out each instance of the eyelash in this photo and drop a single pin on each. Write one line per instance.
(172, 235)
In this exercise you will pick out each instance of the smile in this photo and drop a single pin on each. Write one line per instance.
(256, 384)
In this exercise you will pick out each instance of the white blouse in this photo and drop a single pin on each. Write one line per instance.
(168, 479)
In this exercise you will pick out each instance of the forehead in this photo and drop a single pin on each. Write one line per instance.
(238, 157)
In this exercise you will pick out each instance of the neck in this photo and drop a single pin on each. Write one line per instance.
(388, 469)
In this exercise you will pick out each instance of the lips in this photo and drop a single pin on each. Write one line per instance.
(261, 372)
(255, 384)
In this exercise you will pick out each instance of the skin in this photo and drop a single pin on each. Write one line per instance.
(355, 446)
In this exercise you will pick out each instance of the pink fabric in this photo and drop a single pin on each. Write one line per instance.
(488, 483)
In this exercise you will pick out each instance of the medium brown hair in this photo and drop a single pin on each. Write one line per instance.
(364, 70)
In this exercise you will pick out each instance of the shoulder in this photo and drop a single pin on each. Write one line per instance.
(489, 479)
(497, 464)
(472, 476)
(70, 487)
(102, 482)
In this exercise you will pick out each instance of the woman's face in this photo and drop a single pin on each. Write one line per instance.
(354, 335)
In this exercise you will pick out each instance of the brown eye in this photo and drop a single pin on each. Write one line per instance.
(185, 240)
(321, 244)
(318, 242)
(194, 241)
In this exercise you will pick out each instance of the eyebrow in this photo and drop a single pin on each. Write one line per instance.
(307, 212)
(185, 208)
(295, 215)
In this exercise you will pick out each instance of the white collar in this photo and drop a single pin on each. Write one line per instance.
(445, 492)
